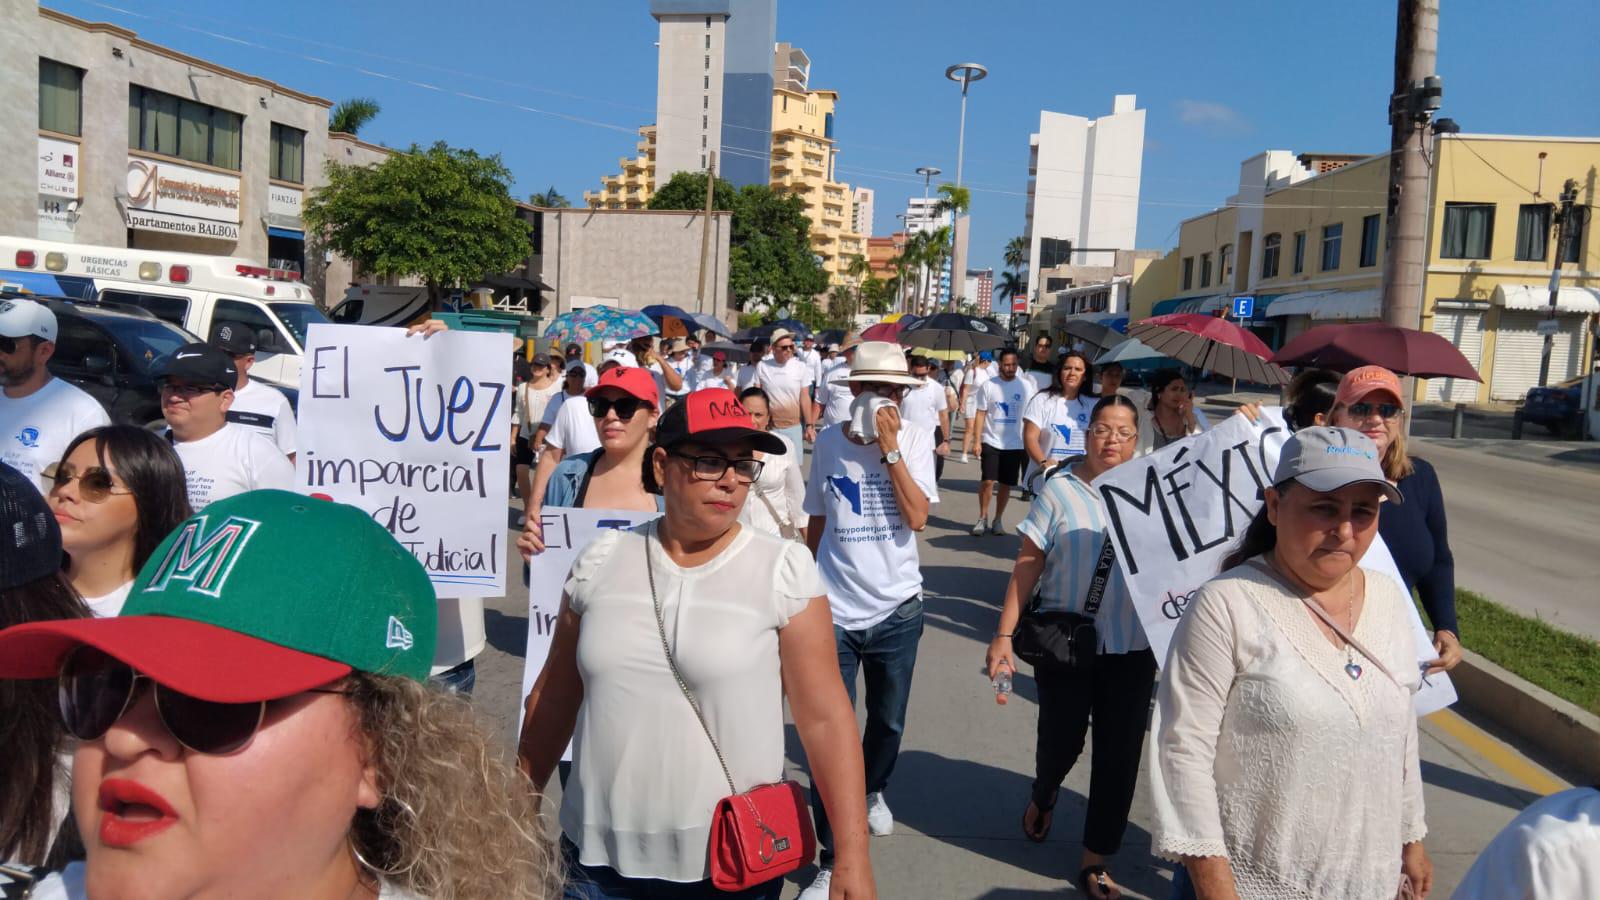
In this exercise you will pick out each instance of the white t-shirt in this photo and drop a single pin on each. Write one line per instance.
(745, 377)
(868, 557)
(35, 430)
(461, 635)
(835, 392)
(553, 407)
(573, 430)
(644, 780)
(1041, 380)
(231, 461)
(685, 369)
(923, 404)
(700, 379)
(68, 884)
(1550, 850)
(813, 359)
(786, 389)
(974, 381)
(1002, 403)
(1062, 423)
(264, 409)
(109, 605)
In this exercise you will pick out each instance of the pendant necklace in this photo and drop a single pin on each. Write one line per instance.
(1351, 667)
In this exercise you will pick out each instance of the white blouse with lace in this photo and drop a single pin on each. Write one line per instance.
(1269, 754)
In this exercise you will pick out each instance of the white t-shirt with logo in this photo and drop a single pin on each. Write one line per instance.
(264, 409)
(1002, 403)
(835, 392)
(868, 557)
(35, 430)
(1063, 425)
(109, 605)
(786, 389)
(922, 404)
(231, 461)
(573, 430)
(685, 369)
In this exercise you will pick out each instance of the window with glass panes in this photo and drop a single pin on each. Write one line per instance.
(1369, 240)
(172, 126)
(288, 154)
(1467, 232)
(1332, 239)
(1205, 269)
(1271, 246)
(1299, 252)
(60, 97)
(1533, 230)
(1188, 272)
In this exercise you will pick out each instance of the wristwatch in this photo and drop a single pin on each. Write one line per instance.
(892, 457)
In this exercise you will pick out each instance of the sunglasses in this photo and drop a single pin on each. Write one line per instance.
(96, 690)
(8, 344)
(190, 391)
(625, 407)
(1384, 410)
(712, 468)
(783, 347)
(94, 483)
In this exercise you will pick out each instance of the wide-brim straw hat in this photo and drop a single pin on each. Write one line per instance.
(880, 362)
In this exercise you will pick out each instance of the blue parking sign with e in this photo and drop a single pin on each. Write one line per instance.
(1244, 307)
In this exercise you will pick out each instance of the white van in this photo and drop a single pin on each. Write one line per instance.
(191, 290)
(377, 304)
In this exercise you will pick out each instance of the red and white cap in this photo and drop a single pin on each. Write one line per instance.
(631, 380)
(713, 416)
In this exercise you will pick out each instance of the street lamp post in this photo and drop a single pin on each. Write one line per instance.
(965, 73)
(898, 250)
(927, 173)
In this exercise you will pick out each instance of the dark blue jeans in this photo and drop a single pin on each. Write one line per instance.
(461, 679)
(603, 883)
(886, 654)
(1182, 887)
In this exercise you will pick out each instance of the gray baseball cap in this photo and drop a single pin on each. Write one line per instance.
(1327, 459)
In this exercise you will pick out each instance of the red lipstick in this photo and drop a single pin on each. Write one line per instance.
(131, 812)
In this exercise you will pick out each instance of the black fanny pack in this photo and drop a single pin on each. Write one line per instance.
(1064, 641)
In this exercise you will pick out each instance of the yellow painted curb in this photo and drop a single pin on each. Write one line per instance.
(1496, 752)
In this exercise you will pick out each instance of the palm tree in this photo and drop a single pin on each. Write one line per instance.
(1012, 284)
(859, 270)
(939, 250)
(952, 199)
(350, 116)
(913, 256)
(550, 199)
(1016, 253)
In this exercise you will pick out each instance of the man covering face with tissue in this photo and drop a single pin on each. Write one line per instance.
(870, 488)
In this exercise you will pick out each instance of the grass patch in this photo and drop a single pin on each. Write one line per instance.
(1563, 663)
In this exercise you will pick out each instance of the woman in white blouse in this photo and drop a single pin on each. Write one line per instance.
(1054, 421)
(1285, 757)
(776, 499)
(749, 626)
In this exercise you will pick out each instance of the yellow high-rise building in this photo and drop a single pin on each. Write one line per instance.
(635, 184)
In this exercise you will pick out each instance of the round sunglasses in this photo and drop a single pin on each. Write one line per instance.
(95, 483)
(96, 690)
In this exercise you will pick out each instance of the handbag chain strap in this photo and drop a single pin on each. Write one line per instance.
(661, 625)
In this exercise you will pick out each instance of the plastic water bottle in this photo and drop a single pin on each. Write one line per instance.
(1002, 685)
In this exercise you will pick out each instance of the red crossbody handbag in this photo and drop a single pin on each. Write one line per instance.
(761, 834)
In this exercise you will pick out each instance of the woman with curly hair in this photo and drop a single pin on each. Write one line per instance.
(248, 728)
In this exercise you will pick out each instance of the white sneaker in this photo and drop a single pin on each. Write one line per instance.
(964, 457)
(880, 821)
(998, 527)
(522, 519)
(980, 528)
(818, 888)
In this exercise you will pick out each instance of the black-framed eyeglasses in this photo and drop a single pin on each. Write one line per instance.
(190, 391)
(1363, 410)
(712, 468)
(626, 407)
(95, 690)
(95, 483)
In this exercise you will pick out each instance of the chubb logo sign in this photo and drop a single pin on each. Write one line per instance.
(204, 558)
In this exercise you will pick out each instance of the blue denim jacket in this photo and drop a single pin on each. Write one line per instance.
(567, 482)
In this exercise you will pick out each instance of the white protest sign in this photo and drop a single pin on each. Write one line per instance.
(1175, 514)
(567, 531)
(414, 430)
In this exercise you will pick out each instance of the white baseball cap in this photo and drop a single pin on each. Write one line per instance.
(26, 318)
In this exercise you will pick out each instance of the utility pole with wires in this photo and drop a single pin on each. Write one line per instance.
(1565, 223)
(1411, 105)
(705, 230)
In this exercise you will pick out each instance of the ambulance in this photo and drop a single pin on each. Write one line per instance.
(196, 292)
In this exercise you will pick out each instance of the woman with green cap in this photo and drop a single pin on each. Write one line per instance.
(248, 728)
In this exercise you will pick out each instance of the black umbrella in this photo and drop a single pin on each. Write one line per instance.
(733, 352)
(832, 336)
(1094, 334)
(955, 331)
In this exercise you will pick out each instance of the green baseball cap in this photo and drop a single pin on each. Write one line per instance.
(262, 595)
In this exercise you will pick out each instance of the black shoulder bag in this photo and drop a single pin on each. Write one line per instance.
(1064, 641)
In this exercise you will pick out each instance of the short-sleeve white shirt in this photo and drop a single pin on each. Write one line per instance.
(1002, 403)
(35, 430)
(573, 430)
(231, 461)
(923, 403)
(786, 389)
(264, 409)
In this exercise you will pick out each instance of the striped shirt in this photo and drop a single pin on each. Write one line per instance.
(1068, 522)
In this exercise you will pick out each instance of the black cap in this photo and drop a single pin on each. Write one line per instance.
(199, 364)
(540, 359)
(234, 339)
(30, 539)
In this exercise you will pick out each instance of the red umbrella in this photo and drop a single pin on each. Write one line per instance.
(1207, 342)
(1404, 351)
(883, 331)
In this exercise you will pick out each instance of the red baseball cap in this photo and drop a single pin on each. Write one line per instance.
(631, 380)
(1358, 383)
(713, 416)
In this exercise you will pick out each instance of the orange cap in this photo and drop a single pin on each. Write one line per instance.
(1358, 383)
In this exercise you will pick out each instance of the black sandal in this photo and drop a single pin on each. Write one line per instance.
(1099, 874)
(1045, 819)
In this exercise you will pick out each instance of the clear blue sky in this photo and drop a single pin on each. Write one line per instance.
(1221, 81)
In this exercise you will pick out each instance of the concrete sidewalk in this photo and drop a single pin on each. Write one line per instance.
(963, 777)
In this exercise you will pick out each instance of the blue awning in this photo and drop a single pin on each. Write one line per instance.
(290, 233)
(1166, 307)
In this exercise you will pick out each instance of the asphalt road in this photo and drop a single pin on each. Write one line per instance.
(963, 777)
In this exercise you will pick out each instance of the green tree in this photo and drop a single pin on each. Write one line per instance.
(936, 254)
(769, 248)
(443, 214)
(1016, 253)
(878, 297)
(952, 199)
(350, 116)
(550, 199)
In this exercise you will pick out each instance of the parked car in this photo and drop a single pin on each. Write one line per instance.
(1557, 407)
(109, 350)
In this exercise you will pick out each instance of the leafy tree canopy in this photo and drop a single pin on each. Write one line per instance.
(443, 214)
(350, 115)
